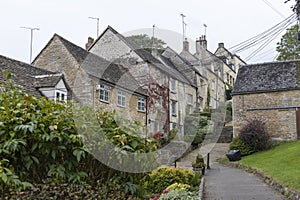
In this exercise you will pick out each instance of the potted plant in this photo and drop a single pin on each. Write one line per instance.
(199, 165)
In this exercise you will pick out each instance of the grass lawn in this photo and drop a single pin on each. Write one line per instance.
(281, 163)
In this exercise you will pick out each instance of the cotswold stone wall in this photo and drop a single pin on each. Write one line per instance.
(130, 111)
(276, 109)
(56, 58)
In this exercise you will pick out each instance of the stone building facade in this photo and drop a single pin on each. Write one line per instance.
(150, 70)
(94, 80)
(269, 92)
(232, 63)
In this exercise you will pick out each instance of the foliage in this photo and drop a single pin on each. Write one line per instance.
(228, 111)
(289, 46)
(40, 144)
(145, 42)
(161, 178)
(281, 163)
(199, 162)
(238, 144)
(178, 186)
(123, 133)
(255, 135)
(196, 126)
(179, 195)
(69, 192)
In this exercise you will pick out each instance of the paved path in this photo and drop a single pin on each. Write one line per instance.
(216, 150)
(224, 183)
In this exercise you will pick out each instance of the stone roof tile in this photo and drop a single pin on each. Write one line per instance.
(267, 77)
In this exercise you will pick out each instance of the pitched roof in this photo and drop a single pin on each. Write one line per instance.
(146, 56)
(228, 52)
(268, 77)
(29, 77)
(111, 73)
(100, 68)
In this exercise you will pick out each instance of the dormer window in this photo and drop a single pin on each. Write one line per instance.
(60, 96)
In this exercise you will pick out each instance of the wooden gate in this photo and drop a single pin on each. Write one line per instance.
(298, 122)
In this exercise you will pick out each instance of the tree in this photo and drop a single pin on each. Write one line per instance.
(289, 46)
(145, 42)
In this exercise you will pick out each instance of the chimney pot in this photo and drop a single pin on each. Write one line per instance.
(221, 45)
(89, 43)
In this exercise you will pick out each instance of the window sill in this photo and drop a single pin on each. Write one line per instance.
(141, 111)
(103, 101)
(121, 106)
(173, 115)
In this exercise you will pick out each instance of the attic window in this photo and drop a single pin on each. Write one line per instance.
(60, 96)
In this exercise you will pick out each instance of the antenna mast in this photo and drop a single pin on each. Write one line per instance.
(96, 18)
(31, 39)
(183, 26)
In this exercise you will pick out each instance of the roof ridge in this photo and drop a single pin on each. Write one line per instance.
(27, 64)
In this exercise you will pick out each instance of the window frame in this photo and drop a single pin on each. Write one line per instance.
(104, 92)
(173, 85)
(174, 108)
(141, 104)
(121, 98)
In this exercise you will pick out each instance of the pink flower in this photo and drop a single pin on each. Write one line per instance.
(165, 191)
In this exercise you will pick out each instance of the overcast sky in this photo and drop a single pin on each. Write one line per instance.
(228, 21)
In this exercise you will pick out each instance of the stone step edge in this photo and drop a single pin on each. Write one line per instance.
(285, 191)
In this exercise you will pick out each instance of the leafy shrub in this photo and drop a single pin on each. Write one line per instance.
(179, 186)
(69, 192)
(161, 178)
(238, 144)
(179, 195)
(255, 135)
(40, 144)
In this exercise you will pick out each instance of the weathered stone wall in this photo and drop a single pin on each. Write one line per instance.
(130, 111)
(111, 47)
(274, 108)
(56, 58)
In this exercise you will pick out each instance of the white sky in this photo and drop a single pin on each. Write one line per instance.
(228, 21)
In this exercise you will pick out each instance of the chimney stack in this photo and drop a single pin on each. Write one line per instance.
(185, 45)
(89, 43)
(221, 45)
(201, 42)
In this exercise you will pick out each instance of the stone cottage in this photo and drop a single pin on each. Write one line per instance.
(169, 91)
(269, 92)
(94, 80)
(35, 81)
(232, 62)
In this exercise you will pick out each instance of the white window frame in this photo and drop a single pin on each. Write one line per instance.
(121, 99)
(141, 104)
(60, 96)
(173, 85)
(104, 93)
(174, 108)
